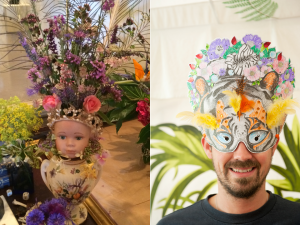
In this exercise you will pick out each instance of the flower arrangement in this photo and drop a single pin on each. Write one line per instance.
(18, 121)
(222, 58)
(53, 212)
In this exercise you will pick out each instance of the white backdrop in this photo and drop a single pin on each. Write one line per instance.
(179, 29)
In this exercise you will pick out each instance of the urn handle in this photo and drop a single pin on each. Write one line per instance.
(44, 167)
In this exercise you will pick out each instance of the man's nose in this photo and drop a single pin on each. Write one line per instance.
(241, 153)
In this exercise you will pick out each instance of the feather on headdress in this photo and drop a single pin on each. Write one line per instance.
(277, 111)
(234, 100)
(206, 120)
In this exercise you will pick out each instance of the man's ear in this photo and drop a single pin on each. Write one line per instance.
(206, 147)
(275, 146)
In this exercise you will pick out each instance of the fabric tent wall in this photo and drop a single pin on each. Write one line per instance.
(177, 35)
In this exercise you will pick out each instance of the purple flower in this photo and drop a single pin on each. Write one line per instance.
(252, 40)
(33, 74)
(31, 92)
(217, 48)
(31, 53)
(79, 34)
(222, 72)
(71, 58)
(56, 219)
(288, 75)
(108, 4)
(114, 38)
(35, 217)
(99, 71)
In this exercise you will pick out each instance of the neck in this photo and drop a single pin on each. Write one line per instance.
(227, 203)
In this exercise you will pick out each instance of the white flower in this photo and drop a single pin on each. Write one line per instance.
(246, 58)
(264, 70)
(252, 73)
(204, 70)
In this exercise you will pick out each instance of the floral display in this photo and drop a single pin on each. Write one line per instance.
(53, 212)
(143, 107)
(249, 57)
(18, 122)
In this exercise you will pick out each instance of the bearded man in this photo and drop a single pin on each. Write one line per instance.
(241, 93)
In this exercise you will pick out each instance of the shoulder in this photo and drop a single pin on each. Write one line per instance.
(181, 216)
(286, 204)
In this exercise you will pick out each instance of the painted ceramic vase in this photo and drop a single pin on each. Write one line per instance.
(73, 181)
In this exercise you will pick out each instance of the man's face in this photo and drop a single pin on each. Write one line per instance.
(241, 173)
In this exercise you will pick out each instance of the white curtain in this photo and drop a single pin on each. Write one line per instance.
(178, 32)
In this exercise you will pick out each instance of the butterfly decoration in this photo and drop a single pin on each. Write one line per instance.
(139, 72)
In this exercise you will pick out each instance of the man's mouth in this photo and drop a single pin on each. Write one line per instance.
(242, 170)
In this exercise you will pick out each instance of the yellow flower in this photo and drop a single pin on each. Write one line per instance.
(88, 171)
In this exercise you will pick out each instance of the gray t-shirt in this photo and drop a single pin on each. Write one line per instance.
(276, 211)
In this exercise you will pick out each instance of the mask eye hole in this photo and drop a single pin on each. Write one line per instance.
(225, 138)
(257, 136)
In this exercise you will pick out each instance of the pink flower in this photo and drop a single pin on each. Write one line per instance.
(144, 111)
(280, 66)
(252, 73)
(204, 70)
(91, 104)
(286, 89)
(102, 158)
(264, 70)
(218, 65)
(51, 102)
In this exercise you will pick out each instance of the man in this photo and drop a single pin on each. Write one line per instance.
(241, 94)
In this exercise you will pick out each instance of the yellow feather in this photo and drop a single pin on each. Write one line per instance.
(234, 101)
(277, 111)
(200, 119)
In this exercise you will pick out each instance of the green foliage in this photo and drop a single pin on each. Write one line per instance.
(254, 10)
(291, 156)
(184, 148)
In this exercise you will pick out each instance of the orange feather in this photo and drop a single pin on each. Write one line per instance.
(246, 105)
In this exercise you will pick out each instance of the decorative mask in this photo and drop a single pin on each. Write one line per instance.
(241, 92)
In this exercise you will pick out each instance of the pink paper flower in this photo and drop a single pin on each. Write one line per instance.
(102, 158)
(280, 65)
(252, 73)
(264, 70)
(286, 89)
(51, 102)
(91, 104)
(143, 107)
(204, 70)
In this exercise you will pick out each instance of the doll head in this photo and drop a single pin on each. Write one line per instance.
(71, 138)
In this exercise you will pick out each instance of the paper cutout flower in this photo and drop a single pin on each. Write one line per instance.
(252, 40)
(246, 58)
(218, 65)
(91, 104)
(204, 70)
(286, 89)
(217, 48)
(264, 70)
(280, 65)
(51, 102)
(252, 73)
(288, 75)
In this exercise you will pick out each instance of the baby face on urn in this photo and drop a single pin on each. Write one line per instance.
(71, 138)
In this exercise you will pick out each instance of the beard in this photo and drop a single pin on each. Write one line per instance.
(244, 187)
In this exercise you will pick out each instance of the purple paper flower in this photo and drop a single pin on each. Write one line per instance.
(217, 48)
(252, 40)
(56, 219)
(108, 4)
(35, 217)
(222, 72)
(288, 75)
